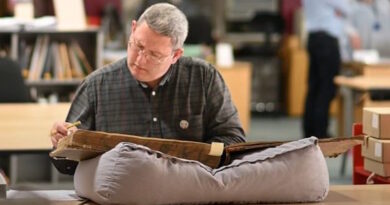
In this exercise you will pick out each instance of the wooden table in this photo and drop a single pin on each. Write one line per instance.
(382, 68)
(338, 195)
(25, 128)
(364, 83)
(350, 86)
(357, 195)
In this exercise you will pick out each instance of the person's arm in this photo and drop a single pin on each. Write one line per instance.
(80, 110)
(341, 7)
(222, 122)
(350, 30)
(353, 36)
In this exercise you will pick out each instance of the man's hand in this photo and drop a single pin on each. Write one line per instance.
(355, 41)
(60, 130)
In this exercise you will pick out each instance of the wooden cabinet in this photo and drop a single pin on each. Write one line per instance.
(238, 80)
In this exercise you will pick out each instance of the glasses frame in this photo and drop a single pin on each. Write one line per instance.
(133, 45)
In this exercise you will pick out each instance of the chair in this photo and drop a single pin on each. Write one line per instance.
(12, 87)
(12, 90)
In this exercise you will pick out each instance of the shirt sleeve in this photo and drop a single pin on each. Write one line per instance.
(222, 121)
(340, 6)
(81, 109)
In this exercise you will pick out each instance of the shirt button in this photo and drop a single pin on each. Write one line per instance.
(155, 119)
(153, 93)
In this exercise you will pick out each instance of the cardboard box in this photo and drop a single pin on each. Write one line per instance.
(376, 149)
(376, 122)
(382, 169)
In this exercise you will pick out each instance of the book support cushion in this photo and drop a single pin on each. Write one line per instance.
(134, 174)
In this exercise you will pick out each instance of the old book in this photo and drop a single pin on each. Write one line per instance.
(84, 144)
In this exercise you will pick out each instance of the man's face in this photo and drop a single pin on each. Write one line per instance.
(149, 54)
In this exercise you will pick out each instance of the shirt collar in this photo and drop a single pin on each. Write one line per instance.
(164, 79)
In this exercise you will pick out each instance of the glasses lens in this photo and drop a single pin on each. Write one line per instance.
(149, 57)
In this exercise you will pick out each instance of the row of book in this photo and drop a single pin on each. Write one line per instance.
(48, 59)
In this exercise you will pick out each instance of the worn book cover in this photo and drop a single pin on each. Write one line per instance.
(84, 144)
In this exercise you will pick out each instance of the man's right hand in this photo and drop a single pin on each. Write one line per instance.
(60, 130)
(355, 41)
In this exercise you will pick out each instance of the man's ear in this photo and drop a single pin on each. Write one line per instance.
(177, 54)
(133, 25)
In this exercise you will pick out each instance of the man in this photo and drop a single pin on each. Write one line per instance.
(155, 91)
(325, 25)
(370, 19)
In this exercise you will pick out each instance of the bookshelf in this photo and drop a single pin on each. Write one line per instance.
(54, 61)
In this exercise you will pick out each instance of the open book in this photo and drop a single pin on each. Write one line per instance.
(84, 144)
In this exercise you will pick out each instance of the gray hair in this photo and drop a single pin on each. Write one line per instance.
(167, 20)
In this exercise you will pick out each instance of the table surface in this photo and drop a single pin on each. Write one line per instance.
(26, 126)
(364, 83)
(357, 195)
(338, 195)
(383, 63)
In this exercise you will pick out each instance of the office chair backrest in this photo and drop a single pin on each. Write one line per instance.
(12, 87)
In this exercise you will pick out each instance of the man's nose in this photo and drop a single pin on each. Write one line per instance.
(141, 56)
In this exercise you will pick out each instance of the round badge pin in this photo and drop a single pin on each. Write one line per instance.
(184, 124)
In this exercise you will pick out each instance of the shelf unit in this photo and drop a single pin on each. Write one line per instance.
(90, 41)
(360, 175)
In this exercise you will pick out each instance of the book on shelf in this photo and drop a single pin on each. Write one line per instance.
(25, 57)
(48, 65)
(77, 71)
(39, 67)
(82, 58)
(58, 70)
(65, 60)
(35, 58)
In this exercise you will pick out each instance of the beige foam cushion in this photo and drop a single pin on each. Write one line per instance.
(133, 174)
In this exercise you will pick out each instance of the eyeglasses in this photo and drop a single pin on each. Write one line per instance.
(150, 57)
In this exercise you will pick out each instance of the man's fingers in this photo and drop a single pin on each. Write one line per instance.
(56, 138)
(60, 130)
(54, 141)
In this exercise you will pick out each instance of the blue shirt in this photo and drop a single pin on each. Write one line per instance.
(326, 15)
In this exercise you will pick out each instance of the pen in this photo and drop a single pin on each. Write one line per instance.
(77, 123)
